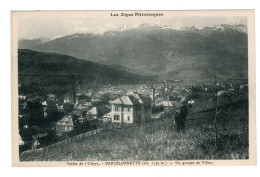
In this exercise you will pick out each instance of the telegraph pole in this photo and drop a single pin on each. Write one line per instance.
(216, 113)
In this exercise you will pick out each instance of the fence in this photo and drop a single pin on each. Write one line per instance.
(77, 137)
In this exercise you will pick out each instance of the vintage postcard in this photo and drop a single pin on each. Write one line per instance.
(133, 88)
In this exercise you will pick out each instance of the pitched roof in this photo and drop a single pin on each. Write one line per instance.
(166, 103)
(93, 111)
(132, 98)
(98, 110)
(136, 96)
(43, 140)
(145, 99)
(126, 100)
(66, 120)
(117, 101)
(39, 135)
(44, 103)
(107, 114)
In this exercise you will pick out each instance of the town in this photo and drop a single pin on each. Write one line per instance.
(46, 120)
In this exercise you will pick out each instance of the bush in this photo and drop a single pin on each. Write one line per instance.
(156, 109)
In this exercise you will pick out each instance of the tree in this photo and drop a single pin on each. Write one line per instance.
(22, 121)
(35, 112)
(52, 111)
(22, 108)
(26, 134)
(68, 107)
(156, 109)
(105, 98)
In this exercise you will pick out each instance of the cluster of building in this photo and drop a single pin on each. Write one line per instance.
(86, 111)
(117, 106)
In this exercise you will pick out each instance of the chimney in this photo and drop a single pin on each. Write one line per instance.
(153, 94)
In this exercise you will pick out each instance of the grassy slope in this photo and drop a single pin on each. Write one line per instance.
(160, 141)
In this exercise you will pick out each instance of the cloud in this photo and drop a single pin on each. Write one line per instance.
(36, 27)
(176, 25)
(81, 27)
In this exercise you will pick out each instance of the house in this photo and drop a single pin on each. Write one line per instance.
(26, 126)
(51, 97)
(40, 140)
(82, 107)
(222, 93)
(132, 108)
(66, 99)
(66, 124)
(95, 100)
(22, 97)
(92, 113)
(77, 112)
(107, 117)
(44, 104)
(88, 103)
(96, 112)
(191, 102)
(21, 142)
(69, 98)
(83, 99)
(245, 86)
(166, 104)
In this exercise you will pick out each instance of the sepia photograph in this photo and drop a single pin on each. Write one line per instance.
(133, 88)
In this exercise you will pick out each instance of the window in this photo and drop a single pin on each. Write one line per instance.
(128, 118)
(116, 117)
(116, 108)
(128, 109)
(62, 128)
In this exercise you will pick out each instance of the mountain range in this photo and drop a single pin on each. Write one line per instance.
(191, 53)
(30, 43)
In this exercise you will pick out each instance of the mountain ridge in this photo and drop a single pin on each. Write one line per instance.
(56, 73)
(190, 53)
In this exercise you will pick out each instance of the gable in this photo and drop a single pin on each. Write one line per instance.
(93, 111)
(117, 101)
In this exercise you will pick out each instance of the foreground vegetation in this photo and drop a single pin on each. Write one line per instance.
(159, 140)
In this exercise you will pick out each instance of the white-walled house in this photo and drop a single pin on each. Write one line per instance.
(132, 108)
(66, 124)
(107, 117)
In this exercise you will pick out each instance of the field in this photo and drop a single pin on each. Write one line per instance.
(159, 140)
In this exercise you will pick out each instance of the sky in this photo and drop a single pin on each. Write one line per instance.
(52, 25)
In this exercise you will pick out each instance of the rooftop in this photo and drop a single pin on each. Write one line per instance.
(132, 98)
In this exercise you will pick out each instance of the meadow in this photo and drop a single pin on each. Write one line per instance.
(159, 140)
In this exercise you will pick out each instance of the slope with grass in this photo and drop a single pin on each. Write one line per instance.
(159, 140)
